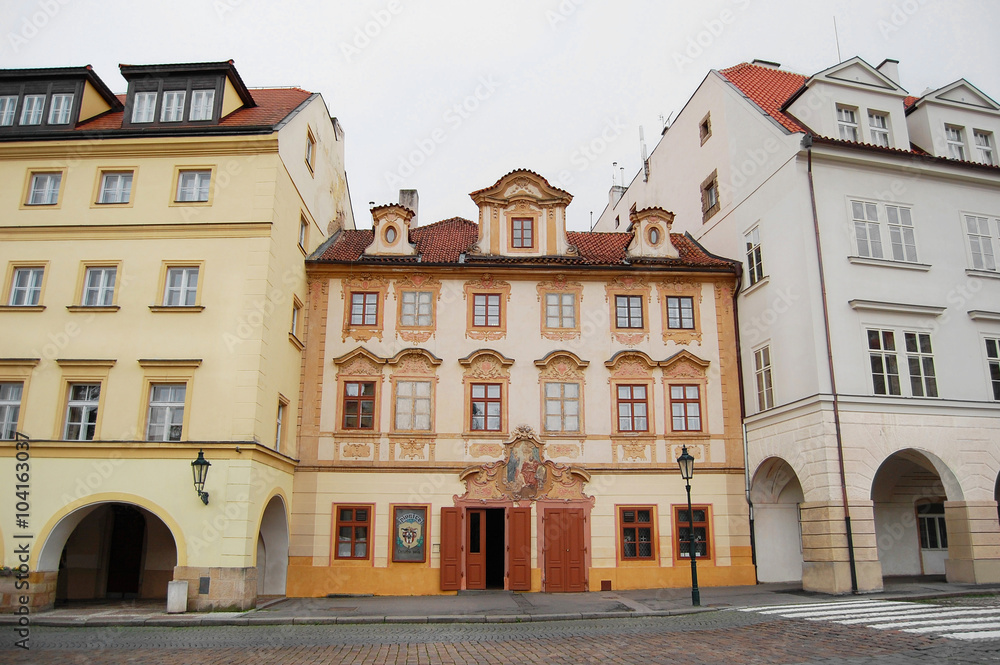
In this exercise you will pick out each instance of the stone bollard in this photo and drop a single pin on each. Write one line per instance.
(177, 597)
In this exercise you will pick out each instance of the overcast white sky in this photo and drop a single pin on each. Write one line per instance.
(445, 96)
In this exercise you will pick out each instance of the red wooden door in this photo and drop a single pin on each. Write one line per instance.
(519, 549)
(451, 549)
(475, 550)
(565, 560)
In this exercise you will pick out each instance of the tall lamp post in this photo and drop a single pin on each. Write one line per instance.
(686, 463)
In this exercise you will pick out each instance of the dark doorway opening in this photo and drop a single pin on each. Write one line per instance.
(495, 548)
(125, 560)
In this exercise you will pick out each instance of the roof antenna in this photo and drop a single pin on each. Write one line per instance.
(836, 36)
(614, 174)
(645, 156)
(591, 220)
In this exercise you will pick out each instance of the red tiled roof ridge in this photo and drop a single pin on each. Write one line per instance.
(768, 88)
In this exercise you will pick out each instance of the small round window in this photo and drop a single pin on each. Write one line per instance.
(390, 235)
(654, 236)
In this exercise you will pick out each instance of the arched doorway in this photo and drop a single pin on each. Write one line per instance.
(908, 493)
(272, 549)
(776, 494)
(110, 550)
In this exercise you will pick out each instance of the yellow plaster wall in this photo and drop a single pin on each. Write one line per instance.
(92, 103)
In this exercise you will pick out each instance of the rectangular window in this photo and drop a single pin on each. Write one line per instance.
(303, 230)
(353, 527)
(984, 146)
(99, 287)
(44, 189)
(364, 309)
(562, 407)
(143, 107)
(26, 287)
(709, 196)
(172, 109)
(762, 376)
(359, 405)
(560, 310)
(956, 141)
(81, 411)
(413, 405)
(901, 239)
(866, 229)
(637, 533)
(847, 123)
(685, 408)
(31, 111)
(884, 364)
(166, 412)
(193, 185)
(296, 311)
(486, 310)
(522, 233)
(202, 105)
(933, 528)
(692, 531)
(279, 423)
(628, 311)
(59, 108)
(993, 365)
(878, 123)
(486, 407)
(755, 263)
(680, 312)
(7, 105)
(920, 360)
(10, 409)
(115, 187)
(181, 288)
(417, 309)
(632, 409)
(980, 242)
(310, 149)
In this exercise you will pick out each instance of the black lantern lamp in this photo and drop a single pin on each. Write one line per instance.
(199, 468)
(686, 463)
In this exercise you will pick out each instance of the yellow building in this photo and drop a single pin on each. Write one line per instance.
(501, 404)
(151, 249)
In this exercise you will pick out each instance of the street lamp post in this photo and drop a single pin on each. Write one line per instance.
(686, 463)
(199, 468)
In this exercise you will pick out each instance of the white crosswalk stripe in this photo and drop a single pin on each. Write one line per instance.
(963, 623)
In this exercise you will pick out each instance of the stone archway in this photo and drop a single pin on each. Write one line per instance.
(272, 549)
(908, 493)
(776, 494)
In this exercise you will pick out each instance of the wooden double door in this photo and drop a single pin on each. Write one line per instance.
(564, 551)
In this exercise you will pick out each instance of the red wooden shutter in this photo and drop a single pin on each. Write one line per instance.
(451, 549)
(519, 553)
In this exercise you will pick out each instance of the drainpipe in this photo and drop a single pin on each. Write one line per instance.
(743, 429)
(807, 144)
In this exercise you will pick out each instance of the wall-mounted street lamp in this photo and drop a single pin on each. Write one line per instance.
(686, 463)
(199, 468)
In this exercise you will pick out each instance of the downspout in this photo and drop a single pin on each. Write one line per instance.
(807, 144)
(743, 429)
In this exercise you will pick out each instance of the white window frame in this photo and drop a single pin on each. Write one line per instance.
(60, 108)
(872, 236)
(993, 366)
(954, 137)
(881, 345)
(99, 286)
(31, 110)
(755, 260)
(413, 406)
(86, 412)
(172, 108)
(847, 123)
(26, 292)
(562, 406)
(878, 126)
(416, 305)
(902, 241)
(984, 146)
(763, 378)
(8, 105)
(279, 420)
(44, 189)
(982, 255)
(560, 309)
(183, 293)
(166, 412)
(303, 228)
(920, 363)
(116, 187)
(193, 185)
(202, 104)
(144, 107)
(11, 393)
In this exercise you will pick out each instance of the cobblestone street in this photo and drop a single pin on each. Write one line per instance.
(716, 637)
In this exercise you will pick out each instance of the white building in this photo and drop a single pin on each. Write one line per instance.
(869, 313)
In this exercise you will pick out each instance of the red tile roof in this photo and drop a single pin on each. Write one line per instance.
(446, 241)
(768, 88)
(273, 106)
(909, 101)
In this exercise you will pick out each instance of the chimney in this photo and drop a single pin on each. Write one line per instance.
(890, 69)
(408, 198)
(766, 63)
(615, 195)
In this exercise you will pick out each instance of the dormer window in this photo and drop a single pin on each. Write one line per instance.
(173, 106)
(984, 146)
(7, 105)
(31, 110)
(202, 104)
(956, 141)
(59, 110)
(390, 235)
(878, 123)
(143, 106)
(174, 100)
(847, 122)
(522, 233)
